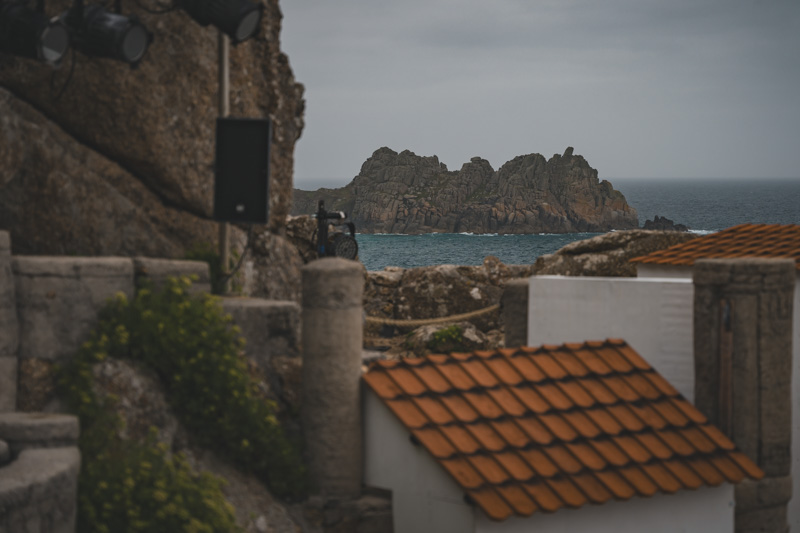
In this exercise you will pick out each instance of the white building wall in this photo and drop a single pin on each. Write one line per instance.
(425, 499)
(653, 315)
(706, 510)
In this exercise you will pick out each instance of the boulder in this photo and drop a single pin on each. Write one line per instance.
(608, 254)
(464, 338)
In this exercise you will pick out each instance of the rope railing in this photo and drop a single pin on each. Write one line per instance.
(428, 321)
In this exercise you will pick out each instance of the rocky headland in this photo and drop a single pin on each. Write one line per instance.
(406, 193)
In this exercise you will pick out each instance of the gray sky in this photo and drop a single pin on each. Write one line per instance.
(641, 88)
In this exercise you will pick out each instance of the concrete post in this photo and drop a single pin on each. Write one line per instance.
(332, 330)
(9, 328)
(743, 369)
(514, 310)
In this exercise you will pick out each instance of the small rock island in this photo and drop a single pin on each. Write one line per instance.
(411, 194)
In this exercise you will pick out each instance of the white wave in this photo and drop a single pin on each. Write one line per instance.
(702, 231)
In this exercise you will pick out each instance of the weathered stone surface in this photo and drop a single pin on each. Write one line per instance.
(743, 358)
(274, 270)
(663, 224)
(38, 491)
(5, 452)
(59, 298)
(256, 509)
(406, 193)
(38, 430)
(37, 386)
(156, 272)
(440, 291)
(158, 121)
(301, 232)
(514, 312)
(270, 327)
(8, 384)
(142, 404)
(371, 513)
(767, 492)
(764, 520)
(332, 344)
(58, 196)
(421, 340)
(141, 401)
(9, 326)
(608, 254)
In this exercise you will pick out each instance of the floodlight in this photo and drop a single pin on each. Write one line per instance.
(239, 19)
(29, 33)
(100, 33)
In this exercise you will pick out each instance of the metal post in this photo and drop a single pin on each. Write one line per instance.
(223, 90)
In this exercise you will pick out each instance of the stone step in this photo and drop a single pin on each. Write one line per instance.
(22, 431)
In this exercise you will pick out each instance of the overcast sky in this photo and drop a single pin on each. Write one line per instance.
(640, 88)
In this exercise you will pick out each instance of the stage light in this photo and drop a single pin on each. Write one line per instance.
(28, 33)
(239, 19)
(100, 33)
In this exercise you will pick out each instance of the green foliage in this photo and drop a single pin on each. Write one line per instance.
(448, 339)
(204, 251)
(196, 353)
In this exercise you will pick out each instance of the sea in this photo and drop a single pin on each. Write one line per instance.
(704, 205)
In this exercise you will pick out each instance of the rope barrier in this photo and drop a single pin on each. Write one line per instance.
(427, 321)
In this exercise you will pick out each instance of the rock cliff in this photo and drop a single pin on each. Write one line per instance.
(406, 193)
(121, 163)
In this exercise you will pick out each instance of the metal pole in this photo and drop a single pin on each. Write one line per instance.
(223, 90)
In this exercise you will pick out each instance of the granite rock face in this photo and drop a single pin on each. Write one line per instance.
(406, 193)
(122, 162)
(607, 255)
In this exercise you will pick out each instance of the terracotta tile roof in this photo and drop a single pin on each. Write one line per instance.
(745, 240)
(557, 426)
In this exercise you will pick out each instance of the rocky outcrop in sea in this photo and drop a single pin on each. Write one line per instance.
(664, 224)
(406, 193)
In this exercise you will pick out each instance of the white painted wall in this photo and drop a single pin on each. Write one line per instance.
(425, 499)
(706, 510)
(653, 315)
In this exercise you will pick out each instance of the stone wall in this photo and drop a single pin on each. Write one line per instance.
(38, 473)
(48, 307)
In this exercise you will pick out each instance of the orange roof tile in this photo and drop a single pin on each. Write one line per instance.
(744, 240)
(538, 429)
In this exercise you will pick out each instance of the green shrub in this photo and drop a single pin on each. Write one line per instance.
(197, 354)
(449, 339)
(207, 253)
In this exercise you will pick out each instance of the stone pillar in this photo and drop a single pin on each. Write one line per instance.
(9, 328)
(332, 330)
(514, 309)
(743, 369)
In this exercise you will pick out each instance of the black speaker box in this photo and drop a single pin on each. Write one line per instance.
(241, 184)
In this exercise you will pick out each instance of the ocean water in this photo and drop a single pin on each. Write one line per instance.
(705, 205)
